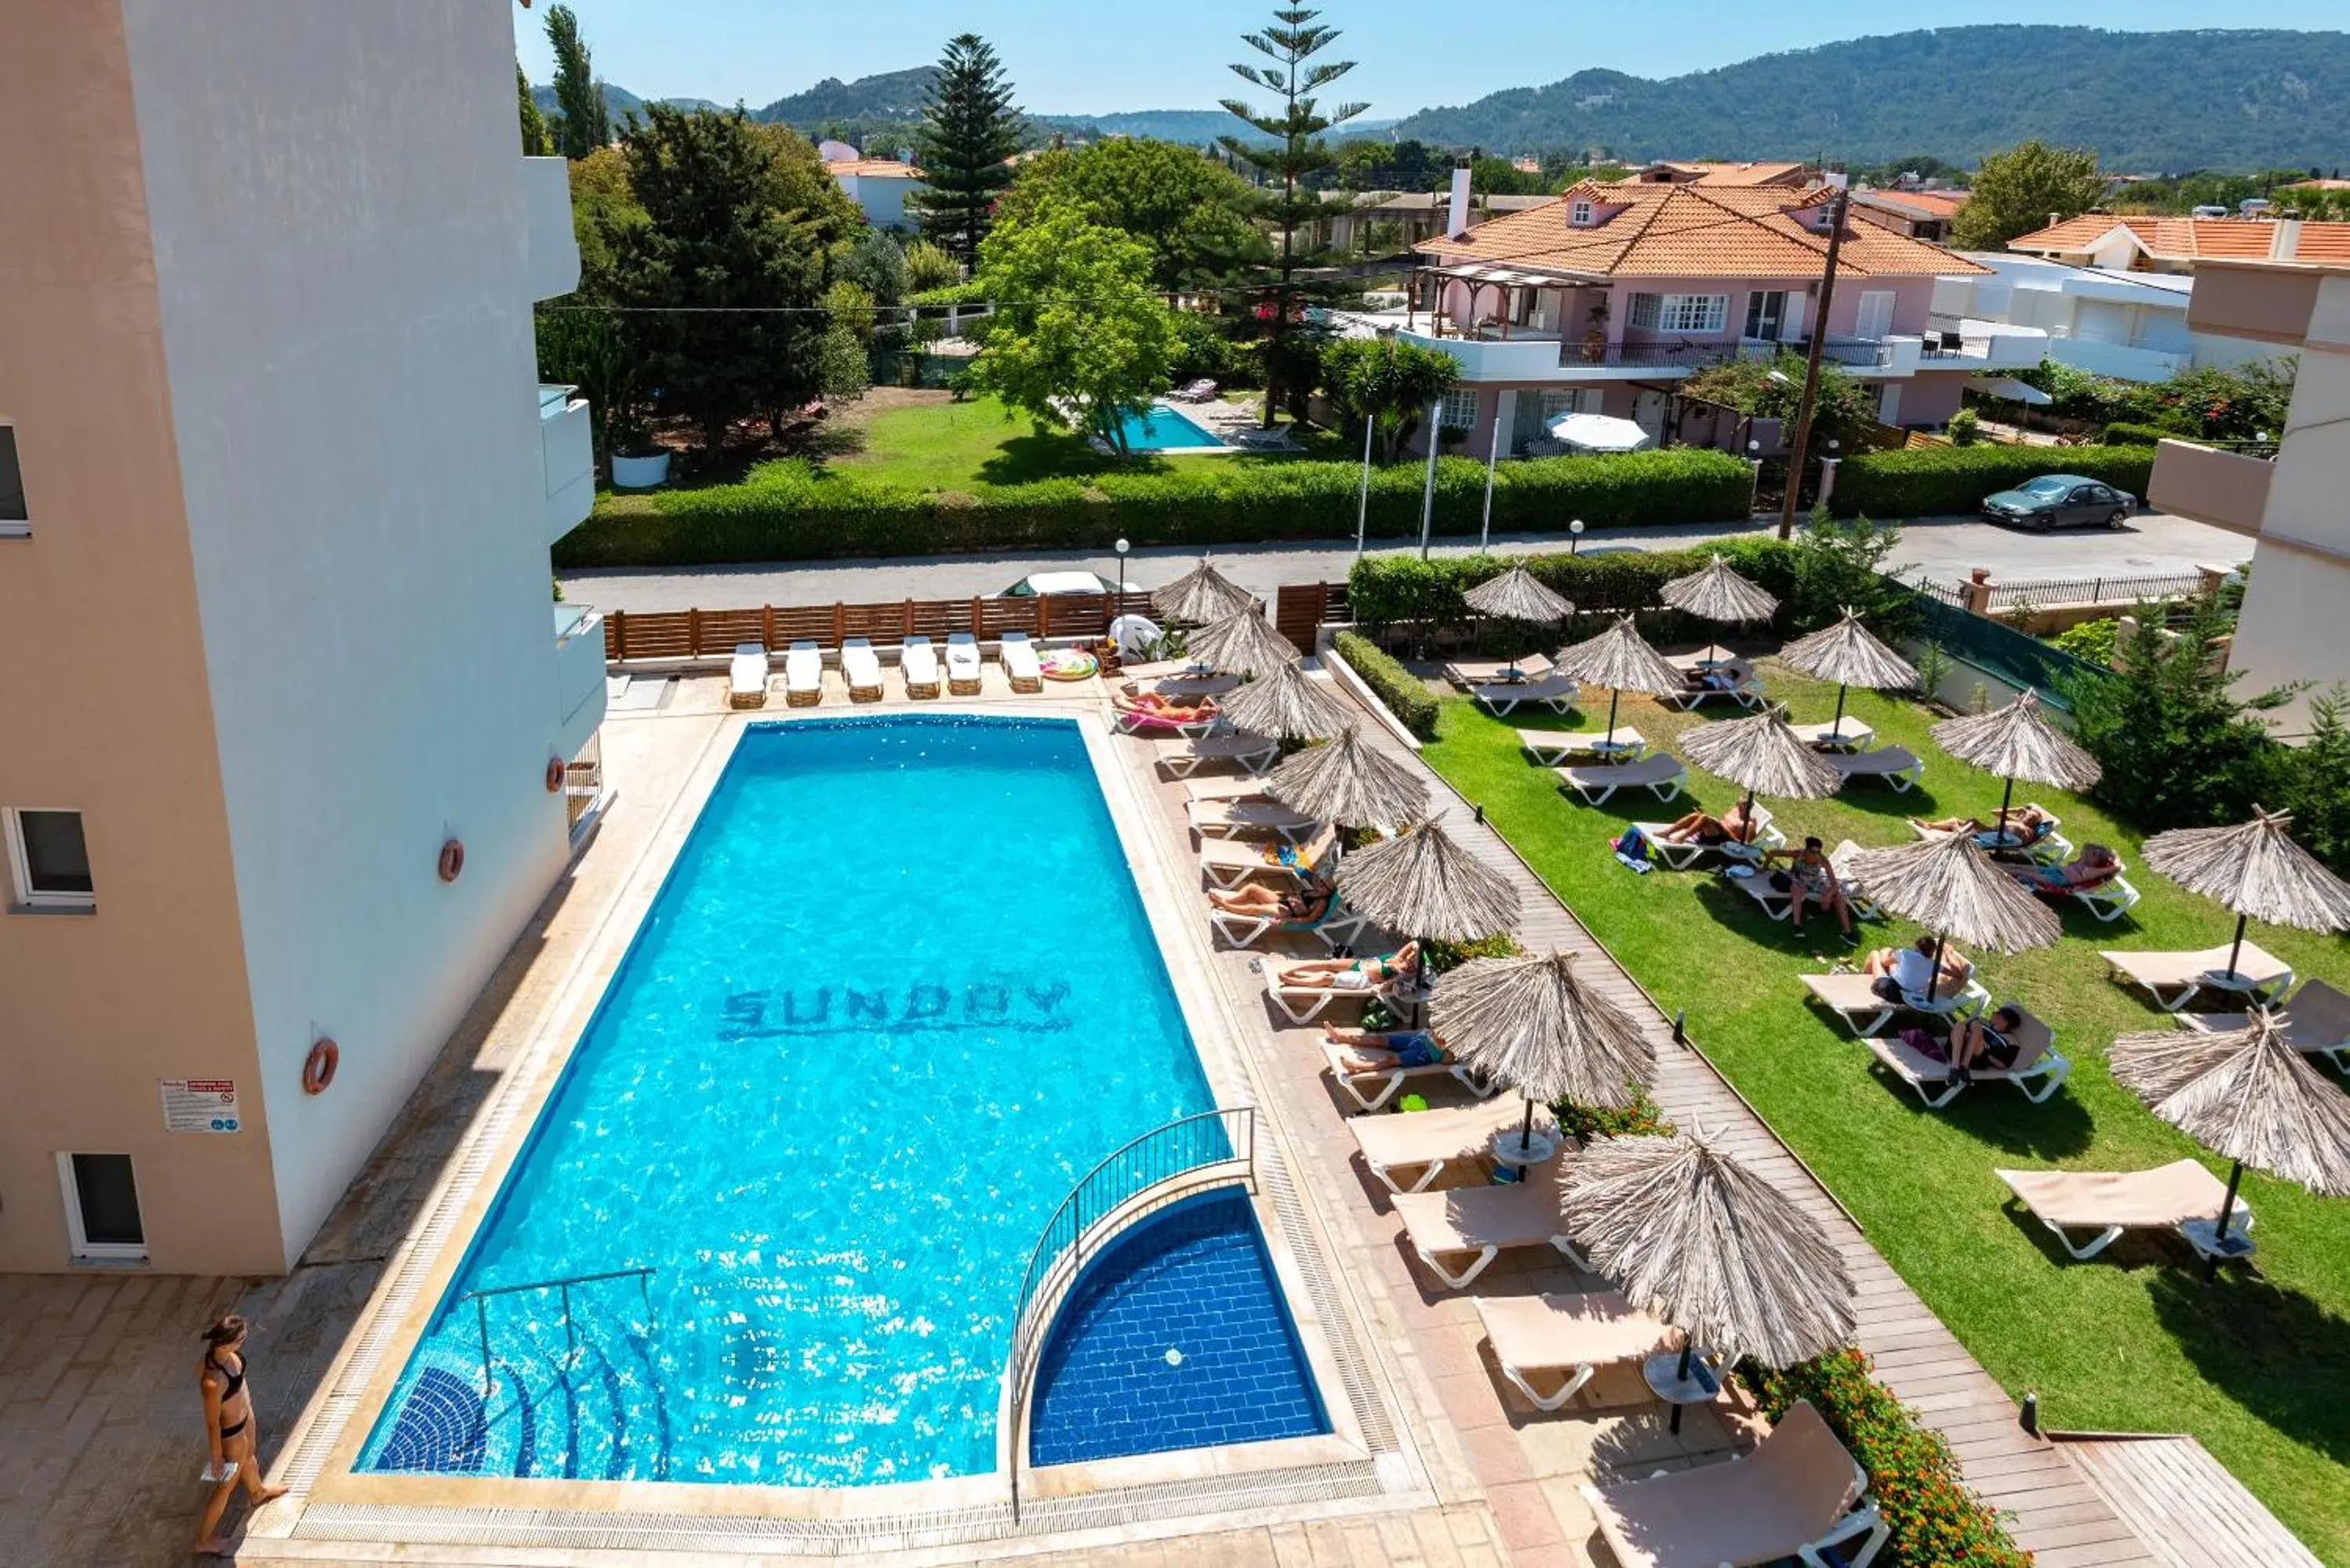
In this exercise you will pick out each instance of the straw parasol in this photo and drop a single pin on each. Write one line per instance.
(2257, 870)
(2246, 1095)
(1710, 1247)
(1420, 881)
(1287, 705)
(1533, 1023)
(1351, 781)
(1617, 659)
(1202, 594)
(1516, 596)
(1849, 654)
(1717, 592)
(1949, 885)
(1241, 643)
(1762, 754)
(2017, 742)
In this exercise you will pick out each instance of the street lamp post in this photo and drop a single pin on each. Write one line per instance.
(1363, 501)
(1574, 537)
(1427, 490)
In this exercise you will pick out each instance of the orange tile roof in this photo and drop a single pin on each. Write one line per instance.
(1692, 231)
(2189, 239)
(872, 166)
(1713, 171)
(2324, 242)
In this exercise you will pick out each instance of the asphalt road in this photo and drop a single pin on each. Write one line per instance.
(1946, 548)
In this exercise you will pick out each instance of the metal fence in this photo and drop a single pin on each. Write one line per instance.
(2098, 590)
(2016, 657)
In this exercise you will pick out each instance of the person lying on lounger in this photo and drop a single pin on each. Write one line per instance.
(1377, 1050)
(1732, 826)
(1985, 1044)
(1308, 901)
(1711, 678)
(1399, 967)
(1167, 708)
(2094, 867)
(1904, 972)
(2025, 825)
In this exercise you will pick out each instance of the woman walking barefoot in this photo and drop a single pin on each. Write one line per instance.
(235, 1438)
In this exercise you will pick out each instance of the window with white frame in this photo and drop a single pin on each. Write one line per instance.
(101, 1195)
(1580, 214)
(1458, 412)
(48, 859)
(1680, 311)
(14, 517)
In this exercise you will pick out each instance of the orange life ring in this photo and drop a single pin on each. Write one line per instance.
(452, 860)
(553, 774)
(319, 1067)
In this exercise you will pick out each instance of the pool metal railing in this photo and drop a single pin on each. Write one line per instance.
(1208, 1149)
(481, 1300)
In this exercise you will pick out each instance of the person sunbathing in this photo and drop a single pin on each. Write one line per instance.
(1711, 678)
(1905, 972)
(1384, 1051)
(1353, 974)
(1309, 901)
(1173, 710)
(2094, 867)
(2025, 825)
(1986, 1044)
(1812, 880)
(1732, 826)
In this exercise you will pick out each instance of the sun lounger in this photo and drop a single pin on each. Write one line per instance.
(861, 668)
(1372, 1089)
(747, 677)
(1895, 766)
(2039, 1071)
(1337, 927)
(2174, 980)
(1020, 664)
(918, 664)
(2109, 897)
(2316, 1021)
(1501, 697)
(1561, 1338)
(1184, 688)
(2181, 1196)
(962, 664)
(1661, 776)
(1228, 862)
(803, 675)
(1143, 721)
(1846, 734)
(1796, 1495)
(1852, 996)
(1181, 759)
(1199, 391)
(1227, 819)
(2049, 845)
(1248, 786)
(1745, 689)
(1688, 857)
(1458, 1234)
(1409, 1152)
(1552, 747)
(1863, 908)
(1160, 669)
(1496, 671)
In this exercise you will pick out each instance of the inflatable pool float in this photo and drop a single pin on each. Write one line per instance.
(1066, 664)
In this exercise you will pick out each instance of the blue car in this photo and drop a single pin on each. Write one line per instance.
(2061, 501)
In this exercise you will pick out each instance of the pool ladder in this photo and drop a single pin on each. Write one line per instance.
(481, 1300)
(569, 1367)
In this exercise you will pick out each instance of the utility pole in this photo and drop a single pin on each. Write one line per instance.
(1811, 365)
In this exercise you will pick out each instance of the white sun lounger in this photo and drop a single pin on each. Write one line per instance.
(1228, 862)
(1142, 722)
(1852, 996)
(1337, 927)
(1185, 687)
(2316, 1021)
(2051, 846)
(1562, 1339)
(1372, 1089)
(1552, 747)
(918, 665)
(747, 677)
(1502, 697)
(1496, 671)
(1020, 664)
(1745, 689)
(2109, 900)
(1407, 1153)
(2039, 1071)
(861, 668)
(962, 664)
(1248, 786)
(2174, 980)
(1686, 856)
(1895, 766)
(2181, 1196)
(1459, 1232)
(803, 675)
(1225, 820)
(1797, 1494)
(1845, 734)
(1183, 758)
(1661, 776)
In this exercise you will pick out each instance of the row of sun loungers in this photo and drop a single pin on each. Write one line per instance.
(860, 669)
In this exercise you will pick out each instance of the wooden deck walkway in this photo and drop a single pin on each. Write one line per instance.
(2184, 1502)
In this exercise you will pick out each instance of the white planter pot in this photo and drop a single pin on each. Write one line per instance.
(640, 473)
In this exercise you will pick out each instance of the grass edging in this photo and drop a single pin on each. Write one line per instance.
(1400, 692)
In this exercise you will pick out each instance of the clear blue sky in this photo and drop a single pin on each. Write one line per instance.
(1071, 58)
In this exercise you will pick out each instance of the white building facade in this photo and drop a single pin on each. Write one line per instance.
(2130, 325)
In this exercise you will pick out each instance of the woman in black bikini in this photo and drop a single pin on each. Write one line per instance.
(228, 1422)
(1308, 902)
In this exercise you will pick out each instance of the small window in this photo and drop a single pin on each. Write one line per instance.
(51, 862)
(14, 517)
(102, 1206)
(1580, 214)
(1458, 410)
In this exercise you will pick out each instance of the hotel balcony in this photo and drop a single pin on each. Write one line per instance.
(2123, 361)
(1965, 343)
(1534, 357)
(566, 459)
(578, 675)
(552, 252)
(2212, 484)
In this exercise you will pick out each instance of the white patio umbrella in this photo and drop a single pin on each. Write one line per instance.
(1597, 432)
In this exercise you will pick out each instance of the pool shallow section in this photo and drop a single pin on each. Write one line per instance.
(896, 995)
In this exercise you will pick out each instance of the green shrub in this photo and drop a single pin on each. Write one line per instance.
(1386, 590)
(2092, 639)
(1965, 428)
(1404, 694)
(1924, 482)
(2121, 432)
(1934, 1520)
(1441, 957)
(787, 509)
(1641, 1118)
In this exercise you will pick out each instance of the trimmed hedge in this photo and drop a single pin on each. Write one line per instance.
(787, 511)
(1404, 694)
(1924, 482)
(1383, 590)
(1936, 1521)
(2122, 433)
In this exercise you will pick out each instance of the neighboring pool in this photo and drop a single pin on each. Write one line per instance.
(896, 997)
(1164, 430)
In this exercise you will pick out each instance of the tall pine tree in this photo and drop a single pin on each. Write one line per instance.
(583, 125)
(969, 131)
(1297, 151)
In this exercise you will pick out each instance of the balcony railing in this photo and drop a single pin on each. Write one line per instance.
(578, 674)
(2211, 485)
(1694, 353)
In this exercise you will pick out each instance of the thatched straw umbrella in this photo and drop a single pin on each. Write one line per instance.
(1534, 1024)
(1516, 596)
(1423, 885)
(1949, 885)
(1849, 654)
(1617, 659)
(1241, 643)
(1762, 754)
(1711, 1248)
(2246, 1095)
(1202, 594)
(1349, 781)
(1288, 705)
(1717, 592)
(2257, 870)
(2017, 742)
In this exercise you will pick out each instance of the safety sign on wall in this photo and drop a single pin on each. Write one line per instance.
(199, 1104)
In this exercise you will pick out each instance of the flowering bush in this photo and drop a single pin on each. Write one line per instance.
(1641, 1118)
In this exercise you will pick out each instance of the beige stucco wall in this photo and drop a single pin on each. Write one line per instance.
(104, 706)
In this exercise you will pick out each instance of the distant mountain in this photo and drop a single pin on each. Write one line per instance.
(893, 95)
(618, 102)
(2147, 102)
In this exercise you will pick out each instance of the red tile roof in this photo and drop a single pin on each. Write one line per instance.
(884, 166)
(2191, 239)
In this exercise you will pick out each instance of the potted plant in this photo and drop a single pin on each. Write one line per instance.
(638, 463)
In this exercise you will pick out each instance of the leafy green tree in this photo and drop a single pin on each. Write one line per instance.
(2316, 783)
(1390, 383)
(1840, 566)
(583, 347)
(928, 267)
(969, 131)
(1296, 153)
(583, 125)
(2017, 192)
(874, 263)
(1187, 209)
(602, 206)
(1078, 337)
(535, 142)
(1499, 177)
(1772, 390)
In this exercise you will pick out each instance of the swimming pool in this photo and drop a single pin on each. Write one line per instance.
(1163, 429)
(895, 997)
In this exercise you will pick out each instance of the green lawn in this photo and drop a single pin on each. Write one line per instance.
(2253, 1366)
(967, 445)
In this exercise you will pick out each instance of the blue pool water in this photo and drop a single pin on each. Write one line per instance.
(896, 997)
(1163, 429)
